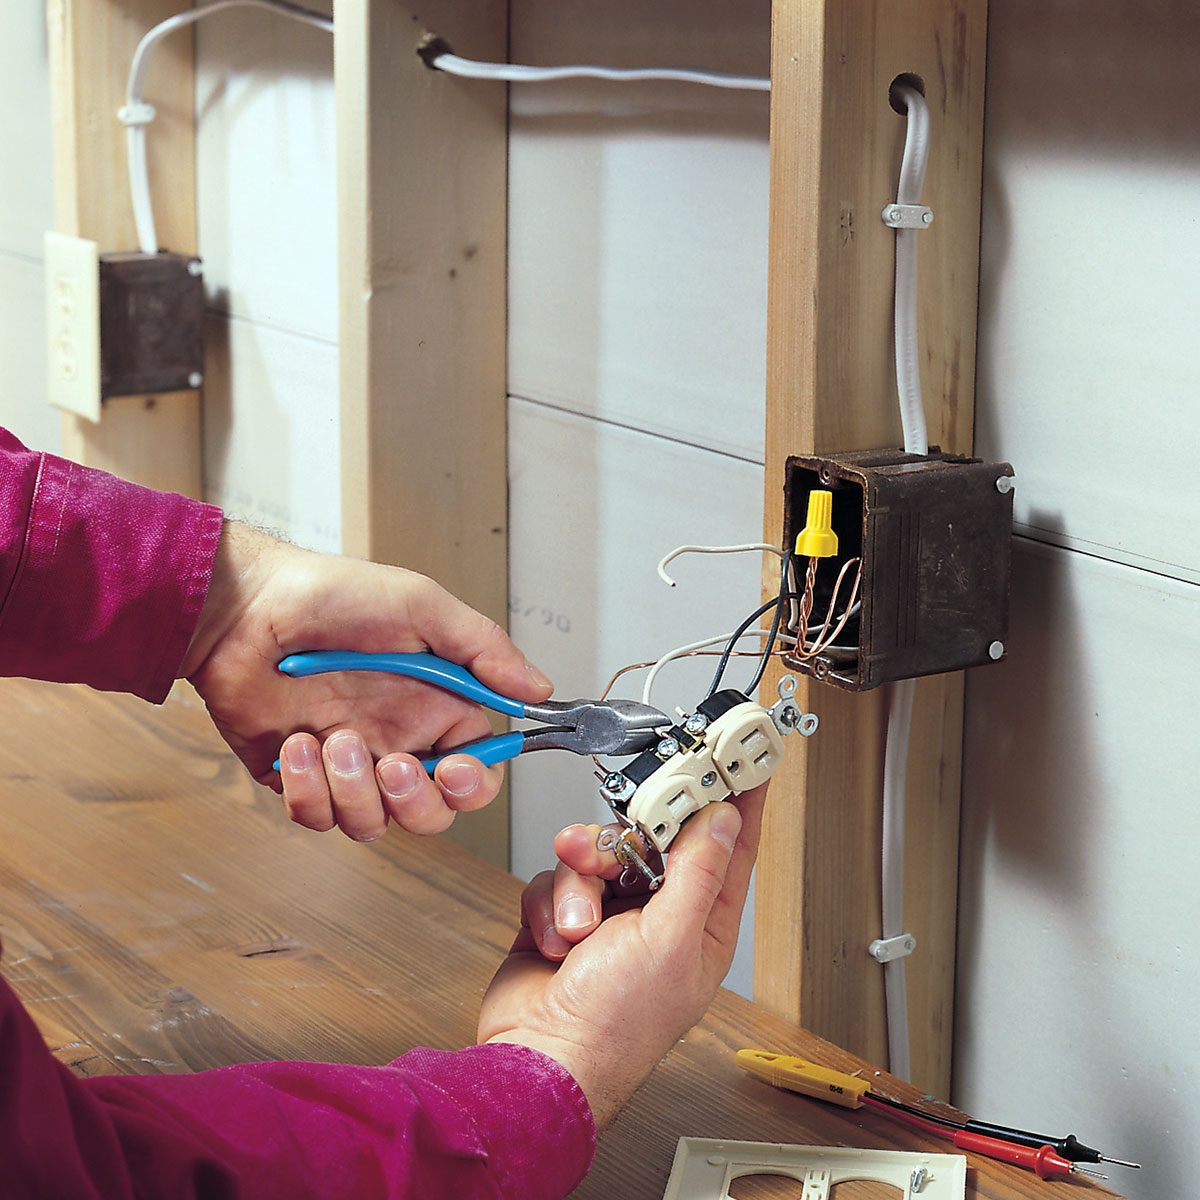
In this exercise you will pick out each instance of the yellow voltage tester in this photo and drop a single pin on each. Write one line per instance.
(800, 1075)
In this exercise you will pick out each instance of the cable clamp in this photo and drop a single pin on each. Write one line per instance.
(907, 216)
(136, 114)
(887, 950)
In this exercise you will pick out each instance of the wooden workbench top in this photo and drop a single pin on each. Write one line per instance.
(159, 913)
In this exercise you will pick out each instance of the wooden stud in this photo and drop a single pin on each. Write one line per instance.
(150, 439)
(835, 155)
(422, 170)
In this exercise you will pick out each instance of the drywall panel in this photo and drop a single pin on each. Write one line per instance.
(592, 510)
(1078, 975)
(26, 212)
(271, 430)
(266, 205)
(26, 199)
(638, 221)
(1088, 322)
(23, 406)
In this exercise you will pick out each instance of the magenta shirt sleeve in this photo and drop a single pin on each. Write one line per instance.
(101, 581)
(489, 1121)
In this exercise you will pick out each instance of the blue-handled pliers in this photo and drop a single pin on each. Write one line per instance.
(581, 726)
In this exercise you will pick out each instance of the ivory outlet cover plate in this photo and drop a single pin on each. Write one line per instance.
(73, 324)
(703, 1169)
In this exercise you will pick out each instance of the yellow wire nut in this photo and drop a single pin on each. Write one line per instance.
(817, 539)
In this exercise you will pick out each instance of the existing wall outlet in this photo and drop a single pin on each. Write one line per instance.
(73, 324)
(122, 324)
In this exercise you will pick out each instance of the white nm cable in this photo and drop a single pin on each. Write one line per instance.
(137, 114)
(900, 702)
(469, 68)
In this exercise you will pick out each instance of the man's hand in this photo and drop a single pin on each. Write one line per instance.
(268, 600)
(621, 998)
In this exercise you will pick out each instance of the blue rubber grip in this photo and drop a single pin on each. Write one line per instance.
(489, 751)
(427, 667)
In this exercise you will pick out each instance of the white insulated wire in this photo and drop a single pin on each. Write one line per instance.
(680, 651)
(742, 548)
(468, 68)
(137, 114)
(900, 700)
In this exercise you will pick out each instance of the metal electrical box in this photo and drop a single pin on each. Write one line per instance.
(151, 323)
(934, 535)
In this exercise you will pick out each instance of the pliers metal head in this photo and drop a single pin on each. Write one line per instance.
(595, 726)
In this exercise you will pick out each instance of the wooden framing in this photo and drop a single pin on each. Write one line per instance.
(422, 170)
(835, 154)
(422, 219)
(149, 439)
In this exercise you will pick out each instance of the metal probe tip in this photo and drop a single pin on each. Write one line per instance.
(1078, 1170)
(1120, 1162)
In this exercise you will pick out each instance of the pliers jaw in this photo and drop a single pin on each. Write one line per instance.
(595, 727)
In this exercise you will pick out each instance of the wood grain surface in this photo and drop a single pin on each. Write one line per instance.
(153, 440)
(836, 146)
(159, 914)
(422, 324)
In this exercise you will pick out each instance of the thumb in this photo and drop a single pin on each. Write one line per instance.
(456, 631)
(695, 875)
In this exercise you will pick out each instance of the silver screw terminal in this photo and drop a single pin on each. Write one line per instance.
(996, 651)
(614, 781)
(667, 747)
(696, 723)
(708, 779)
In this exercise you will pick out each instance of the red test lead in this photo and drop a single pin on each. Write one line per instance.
(1044, 1161)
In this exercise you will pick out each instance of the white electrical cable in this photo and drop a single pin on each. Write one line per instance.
(900, 702)
(739, 549)
(908, 350)
(895, 768)
(137, 114)
(468, 68)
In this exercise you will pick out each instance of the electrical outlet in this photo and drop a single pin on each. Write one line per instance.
(739, 750)
(73, 324)
(746, 746)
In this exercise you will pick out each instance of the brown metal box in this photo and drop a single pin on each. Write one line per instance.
(151, 323)
(934, 534)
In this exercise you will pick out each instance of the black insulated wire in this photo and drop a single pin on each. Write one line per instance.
(784, 568)
(737, 633)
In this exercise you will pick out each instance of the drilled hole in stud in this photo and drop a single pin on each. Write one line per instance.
(907, 79)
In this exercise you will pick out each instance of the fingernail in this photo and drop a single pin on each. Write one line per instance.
(540, 679)
(399, 778)
(725, 825)
(575, 912)
(553, 943)
(302, 754)
(346, 754)
(459, 779)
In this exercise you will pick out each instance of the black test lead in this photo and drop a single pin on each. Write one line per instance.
(1070, 1147)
